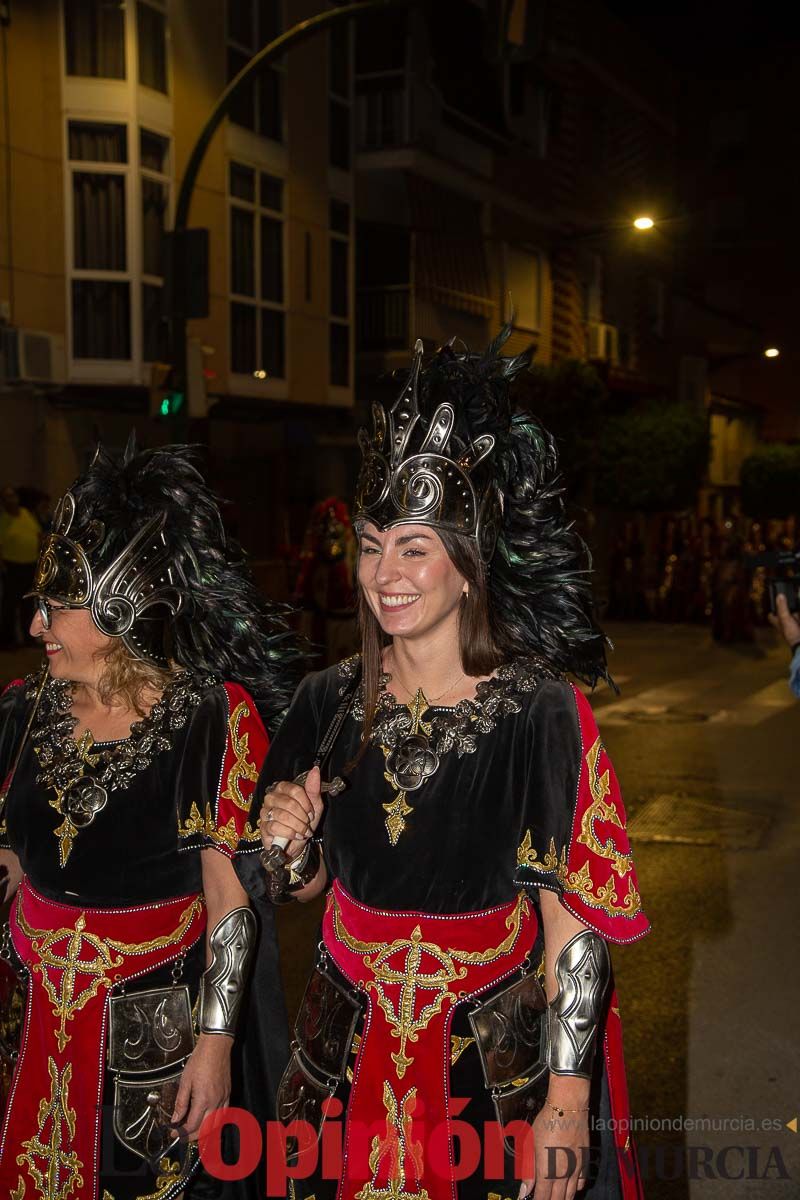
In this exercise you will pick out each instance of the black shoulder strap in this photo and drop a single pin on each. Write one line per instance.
(335, 728)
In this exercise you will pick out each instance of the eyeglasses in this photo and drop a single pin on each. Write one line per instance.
(46, 610)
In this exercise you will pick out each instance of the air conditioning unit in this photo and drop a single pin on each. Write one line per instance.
(31, 356)
(602, 341)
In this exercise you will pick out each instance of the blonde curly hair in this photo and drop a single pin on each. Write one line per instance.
(130, 682)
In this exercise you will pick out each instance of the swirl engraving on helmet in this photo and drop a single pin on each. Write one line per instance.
(143, 575)
(428, 483)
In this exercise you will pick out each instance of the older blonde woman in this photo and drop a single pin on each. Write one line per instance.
(129, 767)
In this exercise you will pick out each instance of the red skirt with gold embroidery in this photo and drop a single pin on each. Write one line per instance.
(415, 970)
(75, 959)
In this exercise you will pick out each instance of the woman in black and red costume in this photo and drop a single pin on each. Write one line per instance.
(129, 767)
(477, 852)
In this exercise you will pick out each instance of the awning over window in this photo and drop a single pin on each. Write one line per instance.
(449, 257)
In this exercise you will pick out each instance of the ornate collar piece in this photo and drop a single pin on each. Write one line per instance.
(415, 736)
(81, 773)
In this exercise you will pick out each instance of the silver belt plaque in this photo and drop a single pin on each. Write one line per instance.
(142, 1113)
(150, 1030)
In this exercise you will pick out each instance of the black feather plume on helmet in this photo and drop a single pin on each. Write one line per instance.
(224, 626)
(539, 576)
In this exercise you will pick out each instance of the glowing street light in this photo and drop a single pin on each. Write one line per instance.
(643, 223)
(771, 352)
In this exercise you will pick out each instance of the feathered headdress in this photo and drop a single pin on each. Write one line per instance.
(141, 544)
(452, 453)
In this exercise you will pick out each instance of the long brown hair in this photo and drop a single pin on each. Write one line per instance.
(478, 645)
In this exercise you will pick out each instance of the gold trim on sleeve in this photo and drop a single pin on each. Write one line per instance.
(598, 810)
(243, 768)
(552, 863)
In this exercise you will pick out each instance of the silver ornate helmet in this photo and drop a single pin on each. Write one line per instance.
(130, 593)
(139, 542)
(428, 469)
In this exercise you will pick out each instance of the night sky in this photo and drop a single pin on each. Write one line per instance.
(693, 32)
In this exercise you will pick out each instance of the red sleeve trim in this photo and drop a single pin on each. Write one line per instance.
(246, 744)
(599, 880)
(14, 683)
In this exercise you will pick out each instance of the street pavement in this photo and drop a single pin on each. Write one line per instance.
(705, 741)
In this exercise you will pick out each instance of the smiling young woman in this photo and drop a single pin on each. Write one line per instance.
(129, 766)
(477, 852)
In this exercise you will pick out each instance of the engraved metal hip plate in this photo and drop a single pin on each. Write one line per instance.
(142, 1112)
(150, 1030)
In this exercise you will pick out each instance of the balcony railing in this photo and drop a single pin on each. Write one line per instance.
(383, 317)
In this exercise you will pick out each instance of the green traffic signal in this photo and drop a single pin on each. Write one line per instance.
(171, 404)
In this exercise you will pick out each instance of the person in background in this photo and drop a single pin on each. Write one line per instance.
(324, 589)
(789, 626)
(20, 538)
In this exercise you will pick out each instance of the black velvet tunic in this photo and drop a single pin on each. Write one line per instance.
(495, 816)
(509, 762)
(142, 845)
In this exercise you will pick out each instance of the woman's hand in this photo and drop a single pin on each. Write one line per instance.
(205, 1084)
(292, 810)
(559, 1175)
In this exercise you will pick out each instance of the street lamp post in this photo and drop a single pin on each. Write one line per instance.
(177, 239)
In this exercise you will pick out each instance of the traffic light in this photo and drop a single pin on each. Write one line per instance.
(171, 404)
(167, 399)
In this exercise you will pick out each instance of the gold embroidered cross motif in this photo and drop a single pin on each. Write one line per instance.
(408, 765)
(64, 997)
(398, 1146)
(243, 768)
(408, 966)
(598, 810)
(66, 964)
(53, 1167)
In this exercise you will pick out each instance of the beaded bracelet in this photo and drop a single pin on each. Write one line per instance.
(559, 1111)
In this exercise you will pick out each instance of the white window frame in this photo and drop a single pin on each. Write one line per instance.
(115, 102)
(161, 7)
(166, 180)
(280, 66)
(90, 368)
(248, 384)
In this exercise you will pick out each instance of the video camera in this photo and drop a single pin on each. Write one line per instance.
(784, 579)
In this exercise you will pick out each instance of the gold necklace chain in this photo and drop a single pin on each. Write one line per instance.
(430, 699)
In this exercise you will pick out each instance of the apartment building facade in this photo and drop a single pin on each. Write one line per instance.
(427, 173)
(103, 104)
(498, 175)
